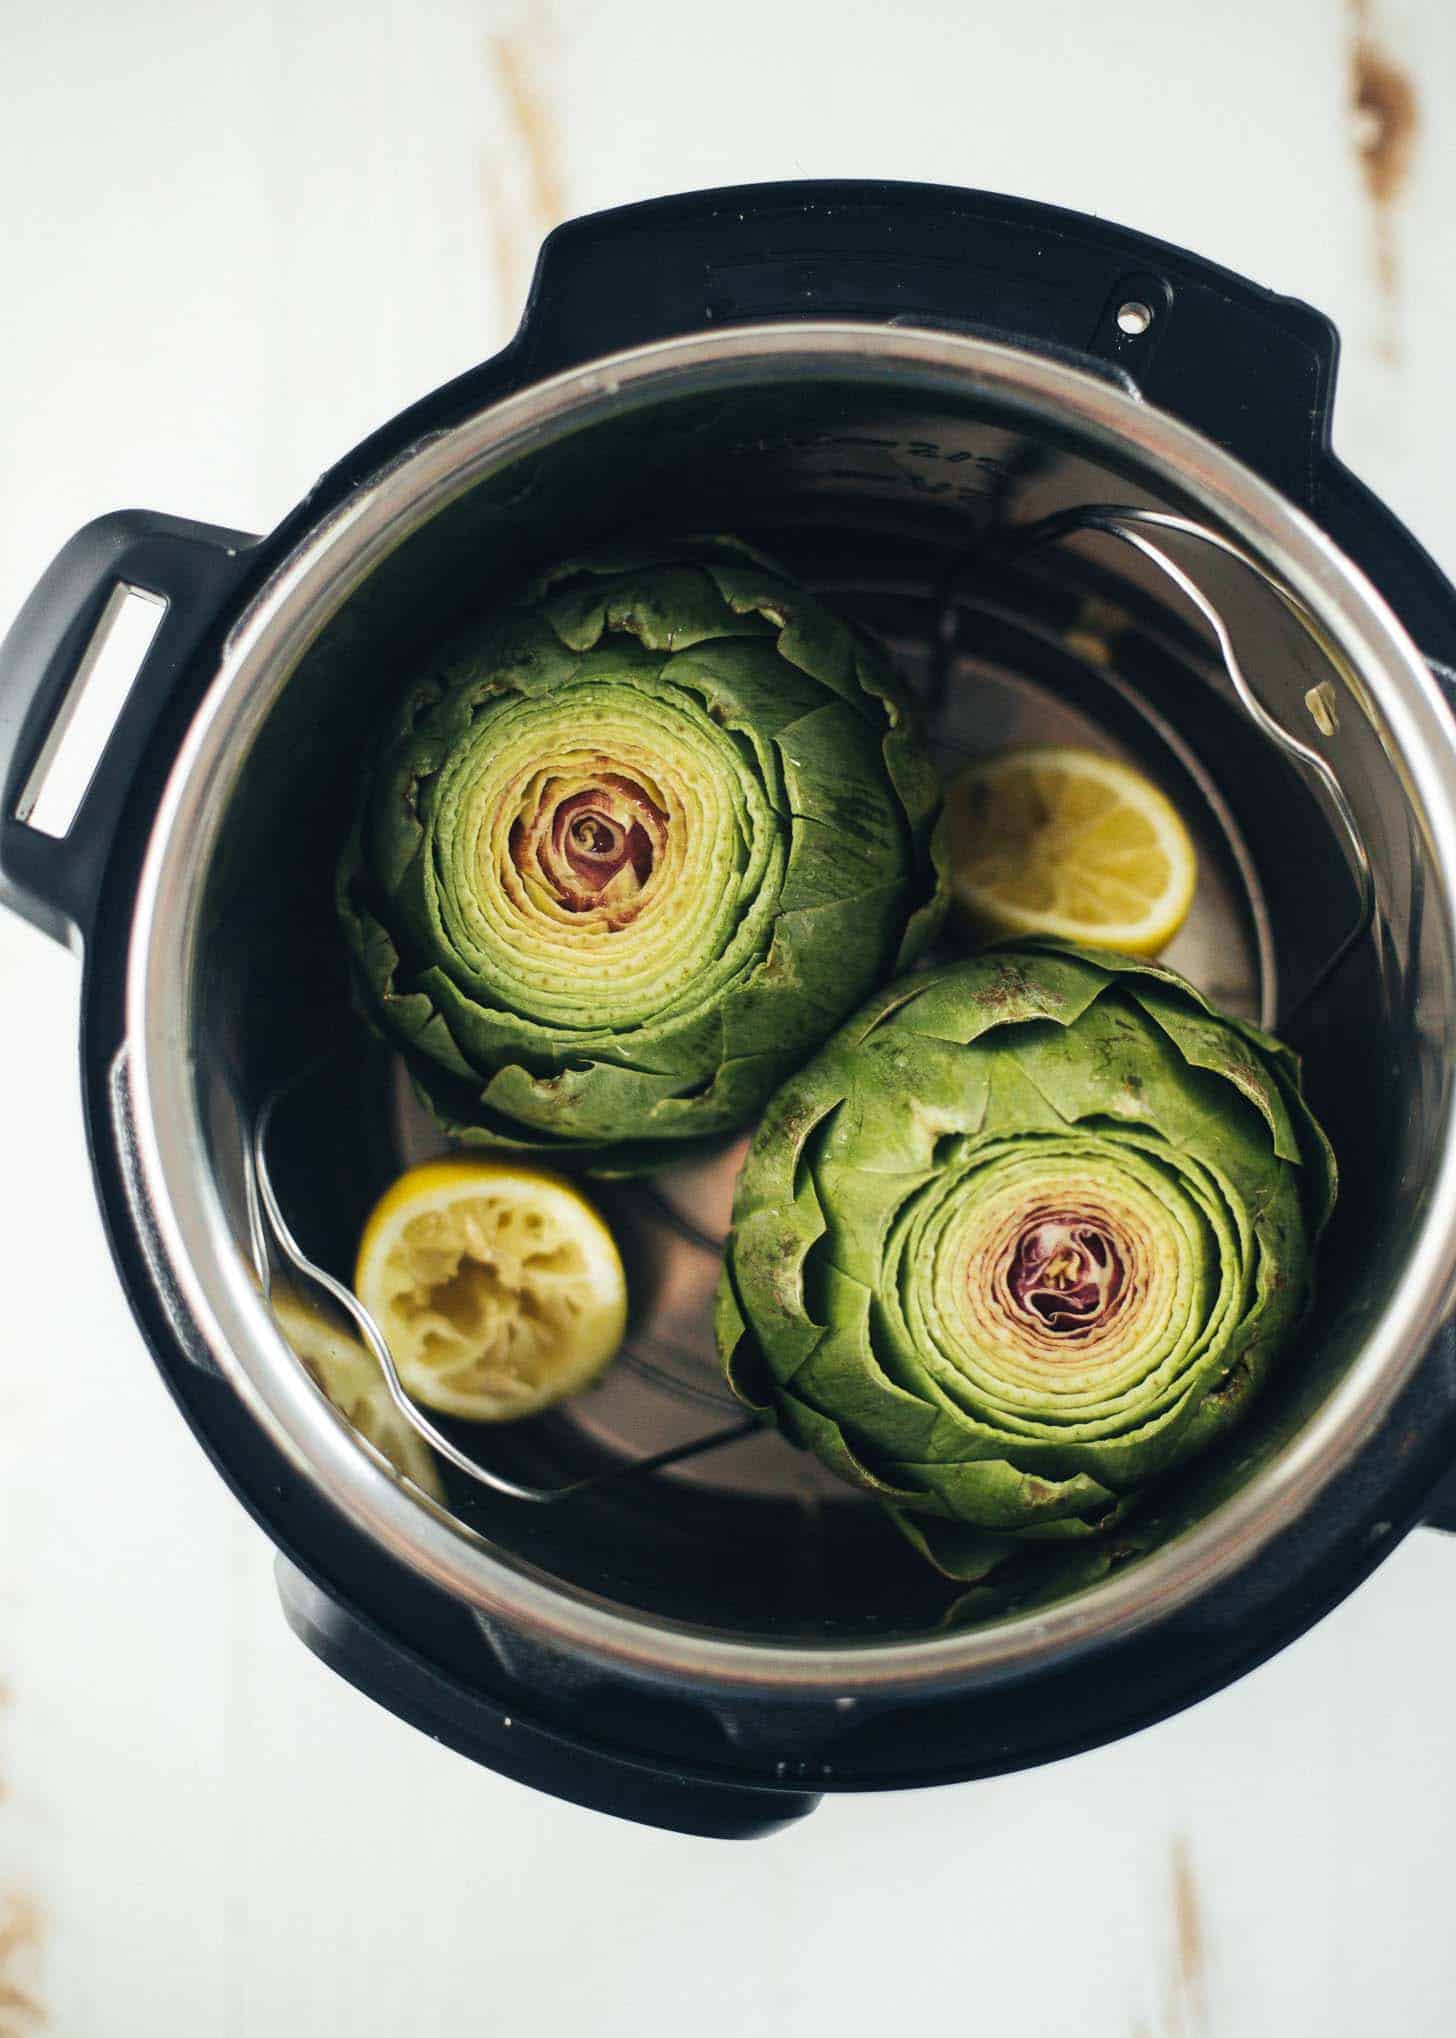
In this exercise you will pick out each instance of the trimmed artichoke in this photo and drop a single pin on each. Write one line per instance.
(634, 850)
(1027, 1234)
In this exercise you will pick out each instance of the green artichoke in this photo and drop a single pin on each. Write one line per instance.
(633, 850)
(1027, 1234)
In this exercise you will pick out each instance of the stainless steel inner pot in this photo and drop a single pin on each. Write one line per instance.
(873, 460)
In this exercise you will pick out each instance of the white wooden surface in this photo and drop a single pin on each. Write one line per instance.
(233, 240)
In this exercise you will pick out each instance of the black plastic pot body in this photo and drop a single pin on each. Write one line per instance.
(1253, 373)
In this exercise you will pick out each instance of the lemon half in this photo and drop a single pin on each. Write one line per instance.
(498, 1288)
(350, 1376)
(1050, 839)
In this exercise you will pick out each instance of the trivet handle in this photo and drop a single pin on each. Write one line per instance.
(492, 1732)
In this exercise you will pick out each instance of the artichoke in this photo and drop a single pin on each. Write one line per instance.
(1026, 1235)
(633, 850)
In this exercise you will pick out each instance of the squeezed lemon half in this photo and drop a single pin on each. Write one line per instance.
(498, 1288)
(350, 1376)
(1050, 839)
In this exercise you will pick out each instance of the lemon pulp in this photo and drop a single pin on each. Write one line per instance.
(497, 1287)
(1051, 839)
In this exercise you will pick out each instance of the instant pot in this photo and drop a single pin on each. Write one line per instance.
(1080, 483)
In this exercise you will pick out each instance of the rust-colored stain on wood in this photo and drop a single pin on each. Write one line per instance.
(1192, 1955)
(520, 59)
(20, 1938)
(1385, 116)
(523, 182)
(507, 257)
(1185, 1984)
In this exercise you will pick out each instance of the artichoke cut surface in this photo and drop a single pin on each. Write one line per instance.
(1029, 1233)
(633, 850)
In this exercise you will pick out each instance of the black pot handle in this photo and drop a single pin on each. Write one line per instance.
(1251, 370)
(189, 569)
(492, 1732)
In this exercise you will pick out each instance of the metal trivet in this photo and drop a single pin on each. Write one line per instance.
(264, 1208)
(1130, 525)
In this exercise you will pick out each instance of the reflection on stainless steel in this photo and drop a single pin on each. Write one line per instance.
(872, 459)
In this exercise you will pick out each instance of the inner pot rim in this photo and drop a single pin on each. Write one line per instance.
(262, 650)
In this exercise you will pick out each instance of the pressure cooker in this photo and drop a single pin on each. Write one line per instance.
(647, 1606)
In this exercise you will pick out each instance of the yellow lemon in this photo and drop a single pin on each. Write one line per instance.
(498, 1288)
(349, 1374)
(1050, 839)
